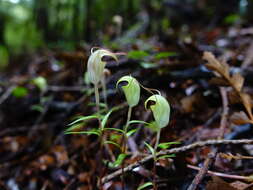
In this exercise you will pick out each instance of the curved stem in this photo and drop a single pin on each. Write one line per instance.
(104, 91)
(129, 113)
(97, 96)
(101, 135)
(158, 134)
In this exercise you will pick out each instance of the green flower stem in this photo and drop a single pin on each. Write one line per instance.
(158, 134)
(101, 137)
(104, 92)
(96, 96)
(129, 113)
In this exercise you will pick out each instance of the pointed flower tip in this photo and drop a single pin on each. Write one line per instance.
(96, 65)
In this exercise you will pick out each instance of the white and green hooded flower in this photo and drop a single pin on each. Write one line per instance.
(96, 65)
(160, 109)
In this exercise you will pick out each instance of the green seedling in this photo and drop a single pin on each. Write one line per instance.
(95, 75)
(77, 124)
(131, 89)
(161, 112)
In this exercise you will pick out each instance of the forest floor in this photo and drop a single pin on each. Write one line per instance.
(210, 98)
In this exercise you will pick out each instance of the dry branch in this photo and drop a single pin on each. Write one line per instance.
(174, 151)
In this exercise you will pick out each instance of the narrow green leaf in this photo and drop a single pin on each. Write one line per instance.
(114, 129)
(37, 107)
(147, 65)
(115, 137)
(118, 161)
(150, 148)
(153, 126)
(166, 156)
(75, 126)
(143, 186)
(137, 54)
(129, 133)
(113, 143)
(138, 122)
(83, 132)
(101, 105)
(104, 120)
(163, 55)
(167, 144)
(82, 118)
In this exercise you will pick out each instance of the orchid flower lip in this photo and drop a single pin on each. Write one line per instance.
(150, 103)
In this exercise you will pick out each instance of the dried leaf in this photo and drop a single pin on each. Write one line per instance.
(238, 81)
(246, 100)
(240, 185)
(219, 81)
(208, 56)
(218, 184)
(215, 65)
(194, 102)
(225, 69)
(230, 156)
(240, 118)
(212, 67)
(233, 97)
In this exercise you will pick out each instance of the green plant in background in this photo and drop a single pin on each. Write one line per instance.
(41, 83)
(20, 92)
(4, 57)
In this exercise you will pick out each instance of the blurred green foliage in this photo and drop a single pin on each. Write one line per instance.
(26, 25)
(19, 31)
(4, 57)
(19, 92)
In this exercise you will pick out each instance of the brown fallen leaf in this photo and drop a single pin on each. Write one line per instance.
(238, 81)
(218, 184)
(241, 185)
(240, 118)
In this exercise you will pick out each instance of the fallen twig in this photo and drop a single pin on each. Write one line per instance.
(7, 93)
(238, 177)
(211, 156)
(174, 151)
